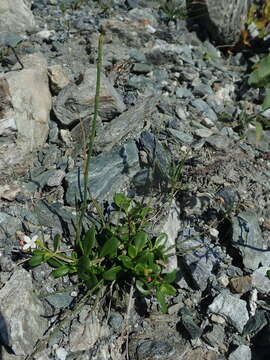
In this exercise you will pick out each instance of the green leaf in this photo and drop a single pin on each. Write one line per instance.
(110, 247)
(61, 271)
(145, 211)
(90, 280)
(55, 262)
(268, 274)
(155, 268)
(139, 269)
(141, 287)
(56, 242)
(162, 302)
(126, 261)
(47, 256)
(266, 102)
(85, 272)
(38, 252)
(112, 273)
(167, 289)
(132, 251)
(147, 258)
(122, 201)
(36, 260)
(260, 76)
(170, 277)
(140, 240)
(62, 7)
(161, 240)
(84, 265)
(89, 241)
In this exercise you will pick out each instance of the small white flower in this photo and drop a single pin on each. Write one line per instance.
(30, 243)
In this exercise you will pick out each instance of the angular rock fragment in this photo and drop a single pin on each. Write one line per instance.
(128, 124)
(108, 173)
(220, 20)
(21, 320)
(24, 115)
(248, 240)
(75, 103)
(232, 308)
(242, 352)
(16, 16)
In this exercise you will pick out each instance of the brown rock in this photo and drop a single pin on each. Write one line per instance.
(241, 284)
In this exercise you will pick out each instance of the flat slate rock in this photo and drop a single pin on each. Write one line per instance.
(247, 239)
(232, 308)
(108, 173)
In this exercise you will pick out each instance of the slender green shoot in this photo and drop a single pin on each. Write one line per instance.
(90, 145)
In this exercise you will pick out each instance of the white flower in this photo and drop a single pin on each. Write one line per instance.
(30, 243)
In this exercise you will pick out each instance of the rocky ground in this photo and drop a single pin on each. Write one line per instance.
(166, 96)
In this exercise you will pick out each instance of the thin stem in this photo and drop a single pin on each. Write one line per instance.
(91, 140)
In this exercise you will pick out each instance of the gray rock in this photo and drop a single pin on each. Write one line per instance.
(255, 324)
(8, 226)
(6, 263)
(216, 336)
(248, 240)
(84, 335)
(140, 82)
(25, 115)
(58, 78)
(56, 178)
(189, 74)
(193, 330)
(204, 108)
(21, 314)
(221, 20)
(197, 264)
(141, 68)
(154, 350)
(53, 216)
(232, 308)
(219, 142)
(43, 178)
(182, 92)
(59, 300)
(116, 321)
(202, 90)
(171, 226)
(263, 143)
(61, 353)
(203, 133)
(161, 52)
(108, 173)
(144, 14)
(128, 124)
(16, 16)
(75, 103)
(158, 158)
(242, 352)
(260, 280)
(10, 39)
(137, 55)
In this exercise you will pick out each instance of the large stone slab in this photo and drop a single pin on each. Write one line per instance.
(221, 20)
(25, 103)
(16, 16)
(21, 324)
(128, 124)
(248, 240)
(108, 173)
(232, 308)
(75, 103)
